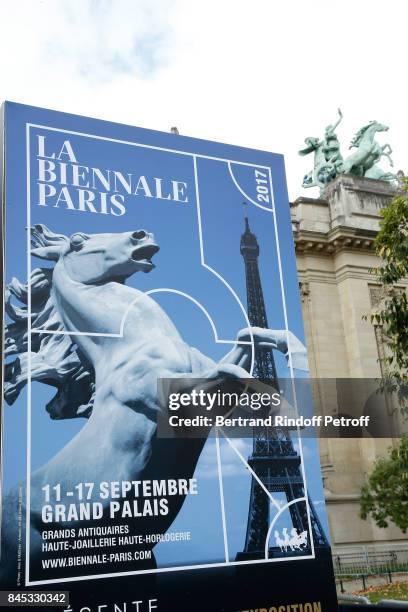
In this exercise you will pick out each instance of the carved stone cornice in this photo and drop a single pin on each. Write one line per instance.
(332, 242)
(346, 216)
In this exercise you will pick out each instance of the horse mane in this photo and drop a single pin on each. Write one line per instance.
(359, 135)
(53, 358)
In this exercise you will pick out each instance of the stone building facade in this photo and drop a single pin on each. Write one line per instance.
(334, 238)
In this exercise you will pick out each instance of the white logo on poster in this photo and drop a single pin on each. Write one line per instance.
(295, 541)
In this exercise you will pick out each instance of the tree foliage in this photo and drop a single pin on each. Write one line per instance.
(392, 246)
(384, 496)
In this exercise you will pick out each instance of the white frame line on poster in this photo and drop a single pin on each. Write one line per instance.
(194, 157)
(285, 314)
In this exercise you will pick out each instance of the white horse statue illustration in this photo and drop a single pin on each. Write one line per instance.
(294, 541)
(77, 309)
(298, 540)
(279, 541)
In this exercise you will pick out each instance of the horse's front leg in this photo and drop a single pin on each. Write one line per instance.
(241, 354)
(258, 337)
(390, 160)
(386, 149)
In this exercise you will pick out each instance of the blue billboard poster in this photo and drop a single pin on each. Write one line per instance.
(153, 336)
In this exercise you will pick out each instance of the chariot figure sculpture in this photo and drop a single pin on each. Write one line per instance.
(329, 162)
(331, 145)
(107, 377)
(327, 159)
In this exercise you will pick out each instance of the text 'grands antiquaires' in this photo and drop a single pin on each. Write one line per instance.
(64, 183)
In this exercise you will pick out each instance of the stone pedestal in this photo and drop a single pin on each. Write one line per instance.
(334, 237)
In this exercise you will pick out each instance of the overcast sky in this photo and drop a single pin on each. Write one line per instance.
(256, 73)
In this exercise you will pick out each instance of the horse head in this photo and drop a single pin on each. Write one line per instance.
(379, 127)
(90, 259)
(96, 258)
(312, 145)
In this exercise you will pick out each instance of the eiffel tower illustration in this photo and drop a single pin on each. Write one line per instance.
(274, 459)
